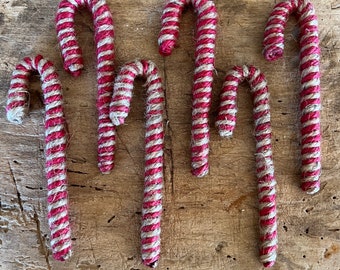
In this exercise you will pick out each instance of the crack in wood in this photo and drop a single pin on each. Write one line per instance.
(76, 172)
(78, 160)
(17, 191)
(93, 187)
(169, 129)
(127, 150)
(41, 240)
(33, 188)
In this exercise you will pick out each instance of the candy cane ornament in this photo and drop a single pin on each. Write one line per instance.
(55, 144)
(226, 122)
(310, 103)
(73, 63)
(154, 143)
(204, 68)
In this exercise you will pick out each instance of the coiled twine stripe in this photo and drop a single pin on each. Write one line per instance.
(55, 144)
(310, 102)
(203, 75)
(154, 144)
(226, 122)
(73, 63)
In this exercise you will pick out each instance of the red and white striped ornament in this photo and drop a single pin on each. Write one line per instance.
(310, 102)
(266, 182)
(55, 144)
(204, 69)
(154, 144)
(73, 63)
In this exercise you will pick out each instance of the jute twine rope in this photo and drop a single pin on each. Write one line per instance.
(226, 122)
(310, 103)
(203, 75)
(55, 144)
(154, 143)
(73, 63)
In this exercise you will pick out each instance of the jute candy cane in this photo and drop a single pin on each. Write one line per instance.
(73, 63)
(226, 122)
(154, 142)
(204, 68)
(55, 144)
(310, 103)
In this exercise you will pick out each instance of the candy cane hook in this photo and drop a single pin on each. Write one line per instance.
(73, 63)
(310, 103)
(204, 68)
(154, 143)
(55, 144)
(226, 122)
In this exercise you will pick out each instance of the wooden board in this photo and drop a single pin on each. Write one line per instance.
(208, 223)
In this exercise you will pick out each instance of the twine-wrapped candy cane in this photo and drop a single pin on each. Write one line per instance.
(310, 103)
(226, 122)
(154, 142)
(55, 144)
(73, 63)
(204, 68)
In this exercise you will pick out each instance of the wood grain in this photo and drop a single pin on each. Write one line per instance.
(208, 223)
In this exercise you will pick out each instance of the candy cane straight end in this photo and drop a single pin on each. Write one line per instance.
(199, 154)
(55, 144)
(268, 264)
(151, 264)
(310, 190)
(311, 187)
(106, 161)
(106, 170)
(201, 171)
(63, 255)
(269, 253)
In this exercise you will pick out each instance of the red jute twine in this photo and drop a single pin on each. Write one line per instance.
(55, 144)
(154, 144)
(204, 69)
(266, 182)
(310, 103)
(73, 63)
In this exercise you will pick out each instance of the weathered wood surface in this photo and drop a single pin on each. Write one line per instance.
(208, 223)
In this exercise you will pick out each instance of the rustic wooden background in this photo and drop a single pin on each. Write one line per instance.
(208, 223)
